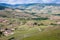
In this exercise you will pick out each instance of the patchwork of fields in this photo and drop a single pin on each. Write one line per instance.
(31, 22)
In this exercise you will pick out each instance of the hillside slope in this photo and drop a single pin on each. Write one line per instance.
(50, 34)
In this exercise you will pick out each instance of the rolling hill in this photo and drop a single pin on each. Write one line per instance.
(29, 10)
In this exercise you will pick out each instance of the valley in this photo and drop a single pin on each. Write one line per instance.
(30, 22)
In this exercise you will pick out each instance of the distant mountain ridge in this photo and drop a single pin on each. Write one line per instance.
(24, 6)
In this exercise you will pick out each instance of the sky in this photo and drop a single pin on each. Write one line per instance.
(29, 1)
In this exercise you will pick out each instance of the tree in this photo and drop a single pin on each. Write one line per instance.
(1, 34)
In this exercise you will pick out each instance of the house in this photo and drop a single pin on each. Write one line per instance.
(8, 32)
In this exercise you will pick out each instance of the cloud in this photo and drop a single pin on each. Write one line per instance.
(19, 1)
(28, 1)
(47, 1)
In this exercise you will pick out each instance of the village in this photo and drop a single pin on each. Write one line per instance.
(8, 26)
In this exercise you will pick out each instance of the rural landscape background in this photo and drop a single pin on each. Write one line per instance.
(32, 21)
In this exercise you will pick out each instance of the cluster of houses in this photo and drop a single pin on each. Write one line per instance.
(7, 31)
(3, 20)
